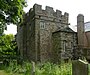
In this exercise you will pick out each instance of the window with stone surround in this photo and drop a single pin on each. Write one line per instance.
(69, 44)
(63, 44)
(42, 25)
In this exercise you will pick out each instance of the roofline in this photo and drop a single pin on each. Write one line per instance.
(63, 31)
(87, 22)
(87, 31)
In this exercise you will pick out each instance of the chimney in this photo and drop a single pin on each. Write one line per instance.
(80, 30)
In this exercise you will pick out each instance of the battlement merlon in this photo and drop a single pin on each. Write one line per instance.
(37, 8)
(49, 12)
(58, 13)
(66, 14)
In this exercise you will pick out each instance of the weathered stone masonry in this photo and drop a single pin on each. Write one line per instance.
(35, 35)
(64, 44)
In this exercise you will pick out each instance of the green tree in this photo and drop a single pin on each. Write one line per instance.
(11, 11)
(7, 46)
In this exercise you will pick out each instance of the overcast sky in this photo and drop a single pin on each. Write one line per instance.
(73, 7)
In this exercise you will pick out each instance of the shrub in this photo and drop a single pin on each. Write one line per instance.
(40, 69)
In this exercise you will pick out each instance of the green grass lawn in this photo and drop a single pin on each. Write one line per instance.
(2, 72)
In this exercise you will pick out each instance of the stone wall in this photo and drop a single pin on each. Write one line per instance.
(48, 21)
(37, 32)
(88, 38)
(64, 43)
(26, 37)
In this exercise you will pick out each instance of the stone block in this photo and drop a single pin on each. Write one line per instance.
(37, 8)
(58, 13)
(50, 11)
(79, 67)
(66, 14)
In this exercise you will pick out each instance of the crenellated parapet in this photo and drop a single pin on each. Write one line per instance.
(48, 14)
(35, 37)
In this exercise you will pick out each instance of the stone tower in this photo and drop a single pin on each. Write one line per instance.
(35, 33)
(80, 30)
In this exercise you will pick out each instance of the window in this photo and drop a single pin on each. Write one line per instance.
(63, 45)
(68, 44)
(42, 25)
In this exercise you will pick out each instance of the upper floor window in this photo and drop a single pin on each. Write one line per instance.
(42, 25)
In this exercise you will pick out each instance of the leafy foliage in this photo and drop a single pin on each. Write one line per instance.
(11, 11)
(7, 46)
(54, 69)
(40, 69)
